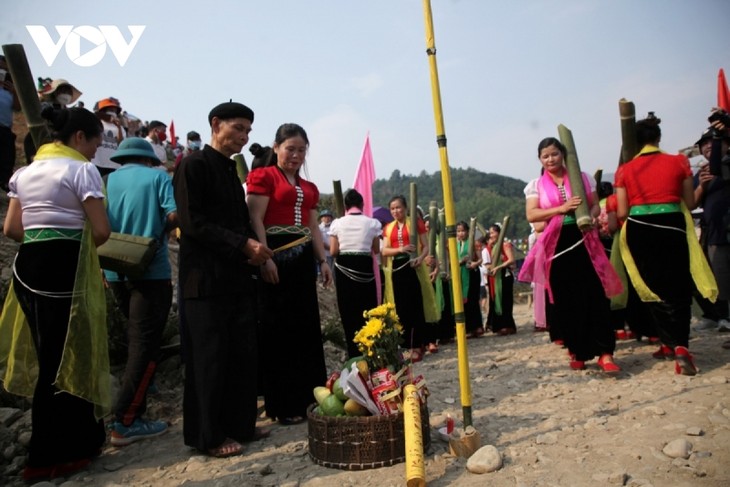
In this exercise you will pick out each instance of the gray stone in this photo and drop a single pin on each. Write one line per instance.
(546, 439)
(679, 448)
(484, 460)
(694, 431)
(24, 438)
(9, 415)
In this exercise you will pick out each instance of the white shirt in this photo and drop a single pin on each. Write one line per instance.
(355, 232)
(108, 146)
(159, 149)
(51, 192)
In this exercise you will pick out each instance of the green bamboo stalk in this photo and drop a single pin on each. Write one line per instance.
(433, 227)
(470, 238)
(25, 88)
(629, 146)
(339, 200)
(497, 249)
(413, 215)
(443, 260)
(241, 167)
(582, 213)
(598, 176)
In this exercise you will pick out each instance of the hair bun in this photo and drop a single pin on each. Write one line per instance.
(57, 117)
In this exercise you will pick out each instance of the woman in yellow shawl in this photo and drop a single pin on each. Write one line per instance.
(51, 202)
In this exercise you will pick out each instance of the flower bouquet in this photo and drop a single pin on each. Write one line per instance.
(372, 383)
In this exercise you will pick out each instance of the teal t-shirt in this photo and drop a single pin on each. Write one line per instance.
(139, 198)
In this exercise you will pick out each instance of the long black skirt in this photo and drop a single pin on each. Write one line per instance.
(662, 259)
(356, 293)
(472, 310)
(290, 345)
(64, 426)
(497, 322)
(581, 309)
(409, 304)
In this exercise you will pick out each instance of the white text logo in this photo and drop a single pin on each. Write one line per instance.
(96, 38)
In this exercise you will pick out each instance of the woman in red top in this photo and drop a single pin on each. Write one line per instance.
(499, 317)
(649, 192)
(403, 287)
(283, 209)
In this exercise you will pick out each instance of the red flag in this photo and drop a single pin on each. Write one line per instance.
(365, 177)
(173, 141)
(723, 95)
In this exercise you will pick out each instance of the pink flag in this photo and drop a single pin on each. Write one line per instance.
(723, 94)
(365, 177)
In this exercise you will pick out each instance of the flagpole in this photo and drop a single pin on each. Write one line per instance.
(463, 356)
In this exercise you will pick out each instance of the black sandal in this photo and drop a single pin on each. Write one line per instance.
(292, 420)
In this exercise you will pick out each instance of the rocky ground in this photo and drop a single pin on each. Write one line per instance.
(551, 426)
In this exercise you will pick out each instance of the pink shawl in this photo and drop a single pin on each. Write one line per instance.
(538, 262)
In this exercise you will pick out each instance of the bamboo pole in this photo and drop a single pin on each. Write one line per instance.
(629, 146)
(582, 213)
(415, 468)
(339, 200)
(413, 215)
(241, 167)
(482, 230)
(598, 176)
(457, 294)
(497, 249)
(470, 239)
(433, 227)
(25, 88)
(443, 261)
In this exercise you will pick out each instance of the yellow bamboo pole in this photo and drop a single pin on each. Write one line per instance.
(463, 355)
(415, 468)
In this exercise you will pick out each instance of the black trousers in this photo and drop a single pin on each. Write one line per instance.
(219, 401)
(146, 305)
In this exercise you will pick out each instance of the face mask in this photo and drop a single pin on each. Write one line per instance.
(194, 144)
(161, 136)
(64, 98)
(111, 113)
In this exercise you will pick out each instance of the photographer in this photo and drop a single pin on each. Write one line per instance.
(713, 194)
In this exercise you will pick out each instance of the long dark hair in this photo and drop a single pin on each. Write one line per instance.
(547, 142)
(65, 122)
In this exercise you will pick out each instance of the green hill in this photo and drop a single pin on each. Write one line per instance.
(487, 197)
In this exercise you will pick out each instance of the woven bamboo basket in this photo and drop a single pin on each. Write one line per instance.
(360, 443)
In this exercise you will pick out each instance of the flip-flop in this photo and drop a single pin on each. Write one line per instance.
(226, 449)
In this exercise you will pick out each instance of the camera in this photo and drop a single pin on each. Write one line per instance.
(720, 116)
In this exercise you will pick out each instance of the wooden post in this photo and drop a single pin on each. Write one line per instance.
(339, 200)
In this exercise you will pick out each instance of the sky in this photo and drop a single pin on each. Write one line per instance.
(509, 73)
